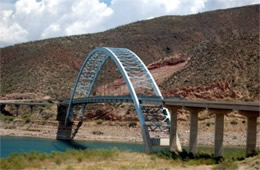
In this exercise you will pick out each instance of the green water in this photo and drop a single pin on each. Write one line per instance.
(11, 144)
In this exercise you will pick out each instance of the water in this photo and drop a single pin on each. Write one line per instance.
(11, 144)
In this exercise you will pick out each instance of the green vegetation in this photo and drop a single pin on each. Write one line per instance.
(132, 124)
(6, 119)
(233, 122)
(226, 165)
(205, 156)
(40, 160)
(114, 159)
(27, 117)
(208, 123)
(99, 122)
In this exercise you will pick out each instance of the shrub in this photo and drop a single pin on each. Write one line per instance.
(69, 167)
(99, 122)
(132, 124)
(208, 124)
(233, 122)
(226, 165)
(97, 133)
(58, 161)
(7, 119)
(26, 117)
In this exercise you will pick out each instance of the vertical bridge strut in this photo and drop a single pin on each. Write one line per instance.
(153, 119)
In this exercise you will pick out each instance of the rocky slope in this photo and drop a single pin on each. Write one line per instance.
(221, 47)
(220, 71)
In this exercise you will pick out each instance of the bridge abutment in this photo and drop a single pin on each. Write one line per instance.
(64, 132)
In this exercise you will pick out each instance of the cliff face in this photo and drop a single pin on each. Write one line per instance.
(220, 48)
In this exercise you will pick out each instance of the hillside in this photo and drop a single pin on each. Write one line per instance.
(221, 47)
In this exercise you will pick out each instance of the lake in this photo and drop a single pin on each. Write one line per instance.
(12, 144)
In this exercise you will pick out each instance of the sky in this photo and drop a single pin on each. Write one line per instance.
(29, 20)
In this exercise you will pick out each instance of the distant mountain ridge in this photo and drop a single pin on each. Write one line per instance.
(222, 46)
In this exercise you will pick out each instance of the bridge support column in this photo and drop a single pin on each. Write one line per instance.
(2, 108)
(251, 131)
(193, 143)
(31, 107)
(17, 108)
(174, 139)
(219, 131)
(84, 107)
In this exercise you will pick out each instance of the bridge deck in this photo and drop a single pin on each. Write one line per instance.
(247, 106)
(153, 100)
(119, 99)
(25, 102)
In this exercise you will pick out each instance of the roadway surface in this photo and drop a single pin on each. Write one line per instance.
(246, 106)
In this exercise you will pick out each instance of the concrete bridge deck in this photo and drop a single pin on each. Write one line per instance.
(245, 106)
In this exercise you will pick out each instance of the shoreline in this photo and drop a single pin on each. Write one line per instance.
(121, 132)
(77, 139)
(139, 143)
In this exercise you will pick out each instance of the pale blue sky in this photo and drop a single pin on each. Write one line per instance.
(28, 20)
(106, 1)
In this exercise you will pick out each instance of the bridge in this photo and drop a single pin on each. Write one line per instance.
(156, 114)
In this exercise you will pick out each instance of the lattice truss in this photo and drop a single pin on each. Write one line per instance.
(156, 118)
(134, 68)
(89, 73)
(131, 63)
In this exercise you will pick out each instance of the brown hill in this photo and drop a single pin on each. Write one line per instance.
(222, 48)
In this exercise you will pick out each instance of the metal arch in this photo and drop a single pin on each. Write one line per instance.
(155, 87)
(148, 75)
(127, 62)
(77, 81)
(133, 70)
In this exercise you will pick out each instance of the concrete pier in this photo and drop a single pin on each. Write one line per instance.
(193, 142)
(174, 139)
(31, 108)
(251, 131)
(17, 110)
(219, 130)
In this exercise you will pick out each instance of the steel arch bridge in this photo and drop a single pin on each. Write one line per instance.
(152, 118)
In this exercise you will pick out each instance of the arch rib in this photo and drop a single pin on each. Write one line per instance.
(126, 61)
(149, 76)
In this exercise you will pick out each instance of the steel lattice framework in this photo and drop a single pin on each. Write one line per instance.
(136, 76)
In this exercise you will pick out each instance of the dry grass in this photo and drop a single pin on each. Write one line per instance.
(115, 159)
(89, 159)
